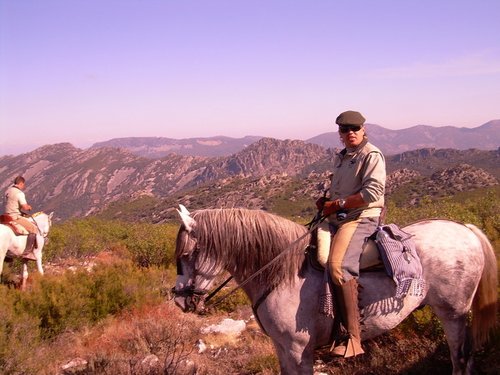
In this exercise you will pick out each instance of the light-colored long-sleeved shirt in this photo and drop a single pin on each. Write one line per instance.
(360, 170)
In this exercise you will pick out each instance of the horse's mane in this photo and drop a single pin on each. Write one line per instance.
(243, 241)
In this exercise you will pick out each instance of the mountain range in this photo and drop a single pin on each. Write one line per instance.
(75, 183)
(157, 147)
(484, 137)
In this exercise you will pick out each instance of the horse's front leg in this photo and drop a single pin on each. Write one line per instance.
(24, 275)
(295, 358)
(38, 253)
(39, 265)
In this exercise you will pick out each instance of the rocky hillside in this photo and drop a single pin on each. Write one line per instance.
(429, 160)
(158, 147)
(74, 182)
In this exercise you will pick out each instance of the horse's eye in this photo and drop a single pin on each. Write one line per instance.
(179, 268)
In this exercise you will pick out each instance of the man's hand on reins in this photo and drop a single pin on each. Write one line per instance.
(330, 207)
(320, 203)
(327, 206)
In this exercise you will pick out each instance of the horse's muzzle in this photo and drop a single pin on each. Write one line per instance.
(189, 300)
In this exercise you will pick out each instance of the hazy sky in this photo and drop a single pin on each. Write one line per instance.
(84, 71)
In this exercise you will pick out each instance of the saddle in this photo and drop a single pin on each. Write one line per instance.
(17, 228)
(388, 249)
(370, 258)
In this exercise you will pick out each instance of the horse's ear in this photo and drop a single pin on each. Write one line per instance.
(187, 220)
(183, 210)
(51, 214)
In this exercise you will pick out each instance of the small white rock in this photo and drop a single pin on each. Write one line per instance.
(227, 326)
(200, 345)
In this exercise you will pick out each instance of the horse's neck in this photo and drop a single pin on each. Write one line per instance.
(308, 277)
(41, 222)
(40, 218)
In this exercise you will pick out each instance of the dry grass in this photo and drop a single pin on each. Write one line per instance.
(121, 344)
(162, 340)
(157, 340)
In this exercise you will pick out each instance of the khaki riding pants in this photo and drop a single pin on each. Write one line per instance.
(30, 227)
(342, 254)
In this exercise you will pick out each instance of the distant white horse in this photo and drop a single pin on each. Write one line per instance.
(13, 246)
(459, 267)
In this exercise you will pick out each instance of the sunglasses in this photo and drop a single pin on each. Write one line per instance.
(344, 129)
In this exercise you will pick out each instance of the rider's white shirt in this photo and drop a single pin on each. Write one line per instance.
(14, 199)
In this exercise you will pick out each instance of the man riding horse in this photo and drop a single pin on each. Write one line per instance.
(15, 204)
(357, 198)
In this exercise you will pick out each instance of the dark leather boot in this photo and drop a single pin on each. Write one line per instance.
(348, 297)
(30, 246)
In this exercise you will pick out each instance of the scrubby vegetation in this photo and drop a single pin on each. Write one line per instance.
(146, 244)
(113, 314)
(56, 305)
(480, 207)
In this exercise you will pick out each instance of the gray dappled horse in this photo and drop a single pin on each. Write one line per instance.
(458, 262)
(13, 246)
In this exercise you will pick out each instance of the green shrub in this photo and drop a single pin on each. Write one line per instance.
(481, 208)
(82, 237)
(232, 302)
(19, 333)
(146, 244)
(151, 244)
(74, 300)
(424, 321)
(257, 364)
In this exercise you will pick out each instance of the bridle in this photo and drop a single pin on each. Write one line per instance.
(194, 297)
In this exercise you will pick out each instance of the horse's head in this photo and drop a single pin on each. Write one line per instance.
(43, 223)
(195, 272)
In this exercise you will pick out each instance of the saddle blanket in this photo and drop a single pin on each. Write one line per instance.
(401, 261)
(17, 228)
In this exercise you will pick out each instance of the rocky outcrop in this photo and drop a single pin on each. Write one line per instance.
(463, 177)
(399, 178)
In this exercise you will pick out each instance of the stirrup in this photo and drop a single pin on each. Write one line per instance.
(338, 350)
(349, 347)
(353, 348)
(339, 345)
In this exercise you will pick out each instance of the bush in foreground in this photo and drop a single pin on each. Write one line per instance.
(55, 305)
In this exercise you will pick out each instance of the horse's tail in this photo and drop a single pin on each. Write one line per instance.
(484, 305)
